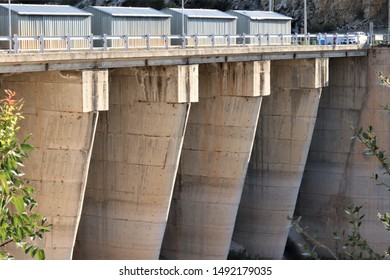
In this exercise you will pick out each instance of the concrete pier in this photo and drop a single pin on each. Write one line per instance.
(337, 172)
(134, 162)
(61, 112)
(279, 155)
(130, 154)
(215, 156)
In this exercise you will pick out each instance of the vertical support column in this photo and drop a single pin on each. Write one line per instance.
(338, 173)
(134, 162)
(279, 155)
(61, 112)
(214, 161)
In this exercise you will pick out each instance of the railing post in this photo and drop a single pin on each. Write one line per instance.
(68, 43)
(308, 39)
(90, 42)
(281, 39)
(126, 42)
(10, 42)
(166, 41)
(212, 41)
(16, 43)
(41, 43)
(371, 39)
(347, 38)
(296, 38)
(196, 41)
(259, 39)
(243, 39)
(105, 42)
(325, 38)
(183, 41)
(228, 40)
(267, 37)
(147, 41)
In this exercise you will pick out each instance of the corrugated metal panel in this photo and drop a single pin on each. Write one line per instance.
(23, 9)
(104, 23)
(47, 23)
(210, 26)
(99, 23)
(262, 15)
(54, 26)
(175, 21)
(274, 26)
(243, 24)
(129, 12)
(206, 25)
(140, 26)
(4, 27)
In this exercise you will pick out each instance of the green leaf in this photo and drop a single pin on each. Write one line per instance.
(27, 250)
(41, 254)
(36, 217)
(18, 220)
(20, 233)
(18, 202)
(27, 147)
(33, 252)
(27, 138)
(3, 183)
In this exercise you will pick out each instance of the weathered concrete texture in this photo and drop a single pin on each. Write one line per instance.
(135, 161)
(279, 155)
(337, 172)
(62, 122)
(215, 156)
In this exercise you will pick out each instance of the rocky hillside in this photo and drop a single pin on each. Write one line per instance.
(323, 15)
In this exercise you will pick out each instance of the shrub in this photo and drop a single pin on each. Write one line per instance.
(18, 223)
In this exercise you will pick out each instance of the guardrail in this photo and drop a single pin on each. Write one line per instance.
(107, 42)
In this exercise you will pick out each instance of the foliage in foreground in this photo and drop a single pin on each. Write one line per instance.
(351, 244)
(18, 224)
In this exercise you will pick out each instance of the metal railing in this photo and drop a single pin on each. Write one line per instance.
(125, 42)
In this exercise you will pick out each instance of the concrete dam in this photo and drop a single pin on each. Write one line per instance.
(174, 153)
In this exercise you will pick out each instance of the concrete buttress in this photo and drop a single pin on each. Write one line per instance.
(61, 112)
(134, 163)
(279, 155)
(216, 151)
(338, 173)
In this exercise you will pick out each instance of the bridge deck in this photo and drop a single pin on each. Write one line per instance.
(78, 60)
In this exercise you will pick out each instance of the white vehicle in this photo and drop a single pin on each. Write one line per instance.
(359, 38)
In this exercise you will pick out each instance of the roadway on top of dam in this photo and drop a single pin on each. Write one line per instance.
(99, 59)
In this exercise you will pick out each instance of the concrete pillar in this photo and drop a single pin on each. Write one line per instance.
(214, 161)
(61, 112)
(279, 155)
(337, 172)
(134, 162)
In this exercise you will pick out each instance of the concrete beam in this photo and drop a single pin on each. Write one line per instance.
(216, 151)
(61, 111)
(134, 162)
(279, 155)
(98, 59)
